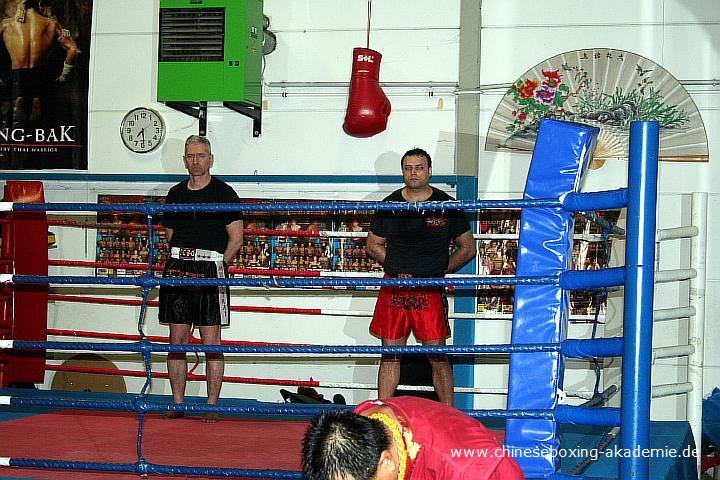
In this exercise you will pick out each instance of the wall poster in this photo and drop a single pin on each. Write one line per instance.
(44, 83)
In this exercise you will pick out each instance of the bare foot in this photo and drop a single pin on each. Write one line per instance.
(210, 417)
(172, 415)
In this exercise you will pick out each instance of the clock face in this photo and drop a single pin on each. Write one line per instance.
(142, 130)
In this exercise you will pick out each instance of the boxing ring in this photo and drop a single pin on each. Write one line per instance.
(537, 352)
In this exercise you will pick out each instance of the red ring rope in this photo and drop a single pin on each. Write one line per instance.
(80, 263)
(143, 266)
(141, 228)
(135, 337)
(111, 226)
(190, 376)
(154, 303)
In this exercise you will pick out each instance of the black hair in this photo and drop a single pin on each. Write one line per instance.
(416, 152)
(342, 444)
(37, 3)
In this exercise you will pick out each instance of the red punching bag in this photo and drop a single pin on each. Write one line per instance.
(368, 108)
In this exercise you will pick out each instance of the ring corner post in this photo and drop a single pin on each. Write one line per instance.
(639, 295)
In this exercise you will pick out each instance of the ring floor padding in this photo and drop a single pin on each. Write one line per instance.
(83, 435)
(266, 443)
(111, 437)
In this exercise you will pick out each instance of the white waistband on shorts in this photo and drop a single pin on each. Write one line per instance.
(185, 253)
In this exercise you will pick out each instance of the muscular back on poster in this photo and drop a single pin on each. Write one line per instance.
(27, 42)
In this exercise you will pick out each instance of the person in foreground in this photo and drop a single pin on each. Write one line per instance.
(403, 438)
(201, 246)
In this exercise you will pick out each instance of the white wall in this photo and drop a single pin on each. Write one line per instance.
(315, 42)
(684, 38)
(302, 133)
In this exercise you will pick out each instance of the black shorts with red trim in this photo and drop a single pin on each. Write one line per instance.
(199, 306)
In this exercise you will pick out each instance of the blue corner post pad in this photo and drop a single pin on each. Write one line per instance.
(562, 152)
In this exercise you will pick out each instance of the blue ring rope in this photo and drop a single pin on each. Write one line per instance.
(155, 208)
(561, 413)
(145, 281)
(609, 347)
(569, 280)
(572, 202)
(146, 289)
(143, 468)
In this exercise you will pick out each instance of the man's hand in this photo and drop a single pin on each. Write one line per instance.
(20, 12)
(375, 247)
(464, 252)
(66, 71)
(235, 240)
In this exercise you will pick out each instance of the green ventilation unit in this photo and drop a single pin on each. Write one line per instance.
(211, 51)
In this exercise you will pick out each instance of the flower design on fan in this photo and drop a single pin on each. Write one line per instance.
(548, 97)
(536, 99)
(602, 87)
(552, 78)
(545, 95)
(525, 89)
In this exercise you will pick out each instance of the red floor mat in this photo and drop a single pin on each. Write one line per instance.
(111, 437)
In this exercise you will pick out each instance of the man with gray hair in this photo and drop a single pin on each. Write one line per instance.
(201, 246)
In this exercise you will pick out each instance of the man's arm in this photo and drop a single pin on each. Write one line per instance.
(71, 51)
(235, 240)
(375, 247)
(464, 252)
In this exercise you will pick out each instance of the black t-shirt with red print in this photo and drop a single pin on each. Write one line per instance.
(418, 243)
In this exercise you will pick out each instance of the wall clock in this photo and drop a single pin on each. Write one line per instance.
(142, 130)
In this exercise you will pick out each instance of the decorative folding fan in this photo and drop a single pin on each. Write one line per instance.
(606, 88)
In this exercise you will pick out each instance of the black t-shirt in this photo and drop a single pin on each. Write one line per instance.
(418, 243)
(204, 230)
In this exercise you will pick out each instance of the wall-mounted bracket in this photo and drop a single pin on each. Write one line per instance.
(199, 110)
(255, 113)
(194, 109)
